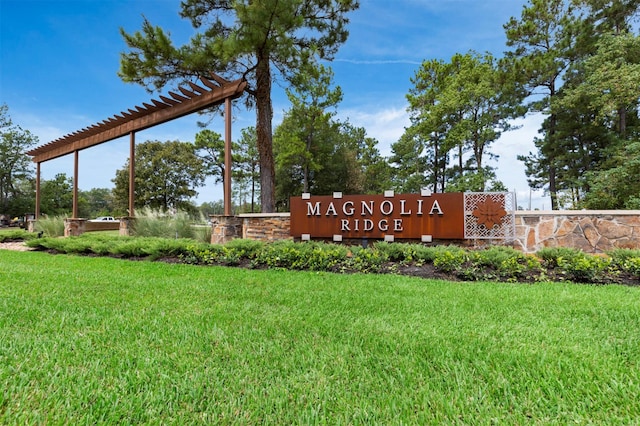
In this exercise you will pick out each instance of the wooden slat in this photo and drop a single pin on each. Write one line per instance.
(197, 88)
(158, 104)
(178, 97)
(169, 100)
(133, 121)
(209, 84)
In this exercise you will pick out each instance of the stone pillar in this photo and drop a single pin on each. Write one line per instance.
(127, 225)
(74, 227)
(225, 228)
(31, 225)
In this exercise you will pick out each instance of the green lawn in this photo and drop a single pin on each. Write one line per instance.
(99, 340)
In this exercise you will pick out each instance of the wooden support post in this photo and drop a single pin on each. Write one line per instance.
(132, 172)
(75, 185)
(227, 157)
(37, 211)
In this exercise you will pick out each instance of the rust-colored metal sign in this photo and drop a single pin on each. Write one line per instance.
(391, 216)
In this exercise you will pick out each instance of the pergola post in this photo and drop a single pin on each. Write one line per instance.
(37, 211)
(132, 172)
(227, 157)
(75, 185)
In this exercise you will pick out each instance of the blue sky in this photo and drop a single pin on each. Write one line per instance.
(59, 61)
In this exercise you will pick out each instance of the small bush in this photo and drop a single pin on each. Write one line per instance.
(396, 252)
(584, 268)
(366, 260)
(494, 256)
(450, 259)
(521, 266)
(202, 254)
(553, 256)
(620, 256)
(310, 255)
(632, 265)
(246, 249)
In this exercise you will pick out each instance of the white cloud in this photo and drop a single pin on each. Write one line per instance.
(510, 170)
(386, 125)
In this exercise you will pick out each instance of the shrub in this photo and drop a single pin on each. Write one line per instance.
(521, 266)
(310, 255)
(553, 256)
(246, 249)
(16, 235)
(632, 265)
(155, 223)
(494, 256)
(61, 245)
(202, 254)
(396, 252)
(451, 259)
(620, 256)
(366, 260)
(584, 268)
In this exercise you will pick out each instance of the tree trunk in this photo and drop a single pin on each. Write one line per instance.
(553, 191)
(264, 114)
(622, 122)
(253, 188)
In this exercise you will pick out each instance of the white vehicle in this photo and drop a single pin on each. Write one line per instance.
(103, 219)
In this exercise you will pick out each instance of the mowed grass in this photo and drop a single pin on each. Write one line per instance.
(105, 341)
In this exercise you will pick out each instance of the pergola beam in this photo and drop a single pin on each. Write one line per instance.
(140, 119)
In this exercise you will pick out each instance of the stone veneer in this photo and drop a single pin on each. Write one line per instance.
(255, 226)
(593, 231)
(266, 226)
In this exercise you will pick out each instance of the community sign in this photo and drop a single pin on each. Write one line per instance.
(391, 216)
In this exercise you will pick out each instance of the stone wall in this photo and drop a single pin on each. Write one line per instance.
(266, 226)
(593, 231)
(225, 229)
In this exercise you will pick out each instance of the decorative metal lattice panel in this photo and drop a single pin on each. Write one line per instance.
(489, 215)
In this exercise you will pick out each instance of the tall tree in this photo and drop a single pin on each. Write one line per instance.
(313, 103)
(246, 164)
(56, 195)
(459, 107)
(16, 168)
(541, 42)
(591, 113)
(616, 187)
(98, 202)
(422, 153)
(416, 162)
(167, 175)
(210, 148)
(610, 82)
(370, 172)
(256, 39)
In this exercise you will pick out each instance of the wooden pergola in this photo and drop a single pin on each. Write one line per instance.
(217, 91)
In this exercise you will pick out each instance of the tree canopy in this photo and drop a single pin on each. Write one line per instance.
(16, 168)
(318, 154)
(167, 175)
(255, 39)
(457, 108)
